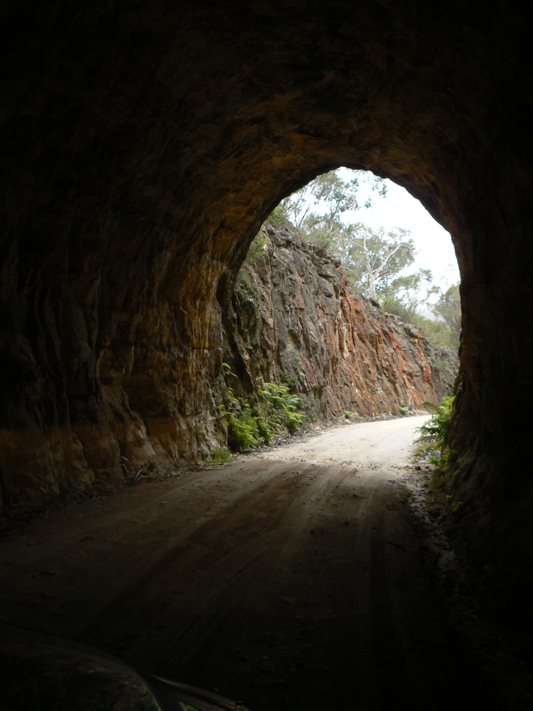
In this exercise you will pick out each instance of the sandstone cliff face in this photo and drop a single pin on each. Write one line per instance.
(293, 312)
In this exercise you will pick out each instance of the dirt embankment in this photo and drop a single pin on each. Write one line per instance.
(295, 578)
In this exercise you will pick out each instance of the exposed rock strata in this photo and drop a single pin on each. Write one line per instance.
(293, 313)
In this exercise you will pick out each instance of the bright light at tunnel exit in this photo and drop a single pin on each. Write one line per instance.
(434, 245)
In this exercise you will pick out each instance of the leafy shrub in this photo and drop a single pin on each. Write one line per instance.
(281, 406)
(250, 424)
(279, 215)
(257, 247)
(243, 432)
(219, 456)
(292, 380)
(244, 279)
(454, 505)
(434, 437)
(434, 434)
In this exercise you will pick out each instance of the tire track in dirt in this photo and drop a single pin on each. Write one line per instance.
(266, 555)
(265, 589)
(197, 551)
(211, 574)
(193, 551)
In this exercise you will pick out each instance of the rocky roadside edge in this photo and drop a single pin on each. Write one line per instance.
(503, 662)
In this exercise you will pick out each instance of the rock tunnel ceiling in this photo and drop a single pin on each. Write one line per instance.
(144, 143)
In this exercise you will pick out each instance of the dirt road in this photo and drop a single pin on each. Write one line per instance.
(292, 579)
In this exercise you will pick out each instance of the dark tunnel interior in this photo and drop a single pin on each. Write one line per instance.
(143, 144)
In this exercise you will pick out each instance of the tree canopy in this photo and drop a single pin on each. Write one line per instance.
(448, 311)
(330, 192)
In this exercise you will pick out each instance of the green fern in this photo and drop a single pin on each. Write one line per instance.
(434, 433)
(222, 455)
(282, 406)
(275, 409)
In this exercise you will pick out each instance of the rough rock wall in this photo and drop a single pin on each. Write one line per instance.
(143, 144)
(294, 313)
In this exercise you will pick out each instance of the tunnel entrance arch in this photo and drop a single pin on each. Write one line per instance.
(144, 148)
(298, 321)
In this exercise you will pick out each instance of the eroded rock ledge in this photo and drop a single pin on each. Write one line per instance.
(293, 313)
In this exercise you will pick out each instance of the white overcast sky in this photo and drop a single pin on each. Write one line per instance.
(433, 242)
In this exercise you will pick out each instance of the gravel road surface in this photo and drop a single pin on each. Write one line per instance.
(293, 578)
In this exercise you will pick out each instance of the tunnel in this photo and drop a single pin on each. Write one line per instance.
(144, 143)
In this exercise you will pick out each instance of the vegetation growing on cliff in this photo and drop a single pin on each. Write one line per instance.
(434, 433)
(434, 440)
(252, 423)
(285, 311)
(376, 262)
